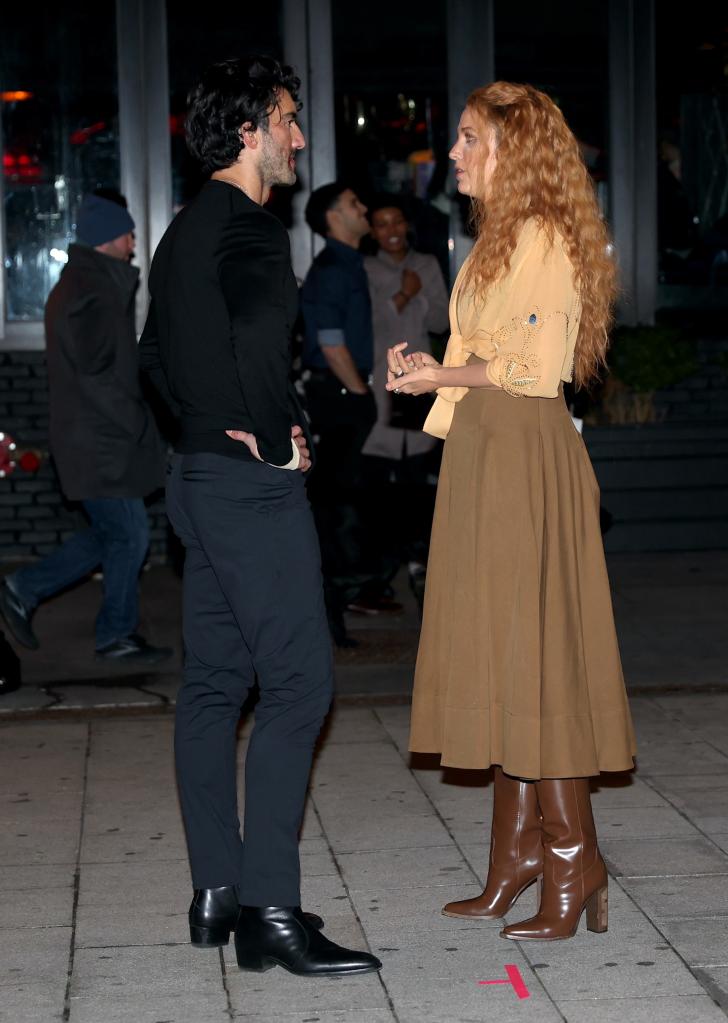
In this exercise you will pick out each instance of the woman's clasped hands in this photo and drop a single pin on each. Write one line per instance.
(413, 373)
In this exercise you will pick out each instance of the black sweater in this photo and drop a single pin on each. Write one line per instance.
(216, 344)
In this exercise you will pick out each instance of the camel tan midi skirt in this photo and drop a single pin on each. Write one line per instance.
(518, 662)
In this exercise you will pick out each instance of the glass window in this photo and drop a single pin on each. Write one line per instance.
(562, 49)
(692, 134)
(197, 37)
(59, 135)
(390, 87)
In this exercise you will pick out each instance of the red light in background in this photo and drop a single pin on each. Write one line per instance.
(15, 96)
(22, 167)
(80, 137)
(29, 461)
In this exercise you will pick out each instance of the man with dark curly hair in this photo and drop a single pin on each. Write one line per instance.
(217, 347)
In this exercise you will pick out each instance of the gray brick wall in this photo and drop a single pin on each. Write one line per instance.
(704, 396)
(34, 516)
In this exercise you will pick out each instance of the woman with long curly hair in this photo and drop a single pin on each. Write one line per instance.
(518, 665)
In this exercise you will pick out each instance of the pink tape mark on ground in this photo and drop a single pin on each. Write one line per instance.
(514, 979)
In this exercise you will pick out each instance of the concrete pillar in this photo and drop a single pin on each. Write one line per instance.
(633, 155)
(308, 46)
(144, 143)
(470, 63)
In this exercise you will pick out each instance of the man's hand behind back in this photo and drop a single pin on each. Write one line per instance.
(299, 439)
(297, 435)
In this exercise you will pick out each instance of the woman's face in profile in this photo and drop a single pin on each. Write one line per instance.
(474, 156)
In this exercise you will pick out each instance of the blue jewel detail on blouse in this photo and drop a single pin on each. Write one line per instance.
(532, 318)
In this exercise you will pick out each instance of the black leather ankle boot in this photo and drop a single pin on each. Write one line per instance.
(283, 936)
(212, 916)
(213, 913)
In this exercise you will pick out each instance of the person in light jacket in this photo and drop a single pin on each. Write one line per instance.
(409, 302)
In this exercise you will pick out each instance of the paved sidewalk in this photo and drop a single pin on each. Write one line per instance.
(95, 883)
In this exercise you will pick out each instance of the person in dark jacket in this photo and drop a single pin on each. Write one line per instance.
(105, 444)
(338, 357)
(217, 347)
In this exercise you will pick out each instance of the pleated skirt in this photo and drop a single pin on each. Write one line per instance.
(518, 662)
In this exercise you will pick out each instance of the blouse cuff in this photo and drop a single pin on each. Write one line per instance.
(516, 376)
(491, 372)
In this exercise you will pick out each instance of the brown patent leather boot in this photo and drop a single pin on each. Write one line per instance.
(516, 853)
(574, 876)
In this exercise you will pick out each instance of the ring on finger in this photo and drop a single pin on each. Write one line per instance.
(396, 390)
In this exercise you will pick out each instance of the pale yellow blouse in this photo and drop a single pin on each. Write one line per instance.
(525, 328)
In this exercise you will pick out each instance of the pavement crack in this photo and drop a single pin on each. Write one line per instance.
(77, 880)
(56, 698)
(225, 986)
(654, 785)
(163, 699)
(696, 971)
(459, 848)
(334, 857)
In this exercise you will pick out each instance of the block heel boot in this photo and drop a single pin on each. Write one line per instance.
(516, 852)
(574, 875)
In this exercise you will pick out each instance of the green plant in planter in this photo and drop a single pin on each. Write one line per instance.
(643, 360)
(650, 358)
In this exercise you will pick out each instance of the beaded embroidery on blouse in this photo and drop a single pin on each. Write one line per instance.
(521, 369)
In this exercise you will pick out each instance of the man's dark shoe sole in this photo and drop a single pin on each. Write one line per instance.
(260, 964)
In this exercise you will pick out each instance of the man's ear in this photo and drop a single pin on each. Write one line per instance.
(248, 136)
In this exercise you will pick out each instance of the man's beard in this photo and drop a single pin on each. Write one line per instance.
(275, 168)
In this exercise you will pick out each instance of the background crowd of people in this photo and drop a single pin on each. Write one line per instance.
(372, 456)
(368, 288)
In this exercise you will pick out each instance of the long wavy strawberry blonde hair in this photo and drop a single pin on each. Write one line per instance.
(540, 173)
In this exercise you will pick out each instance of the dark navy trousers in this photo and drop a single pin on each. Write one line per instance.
(253, 610)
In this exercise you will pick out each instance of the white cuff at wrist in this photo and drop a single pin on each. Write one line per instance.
(294, 462)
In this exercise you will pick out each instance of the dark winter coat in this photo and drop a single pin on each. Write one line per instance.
(103, 437)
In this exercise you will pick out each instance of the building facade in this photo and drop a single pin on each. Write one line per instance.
(93, 95)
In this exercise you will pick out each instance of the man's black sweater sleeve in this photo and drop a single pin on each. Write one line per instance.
(253, 266)
(150, 361)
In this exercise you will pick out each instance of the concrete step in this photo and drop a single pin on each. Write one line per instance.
(667, 504)
(679, 535)
(665, 484)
